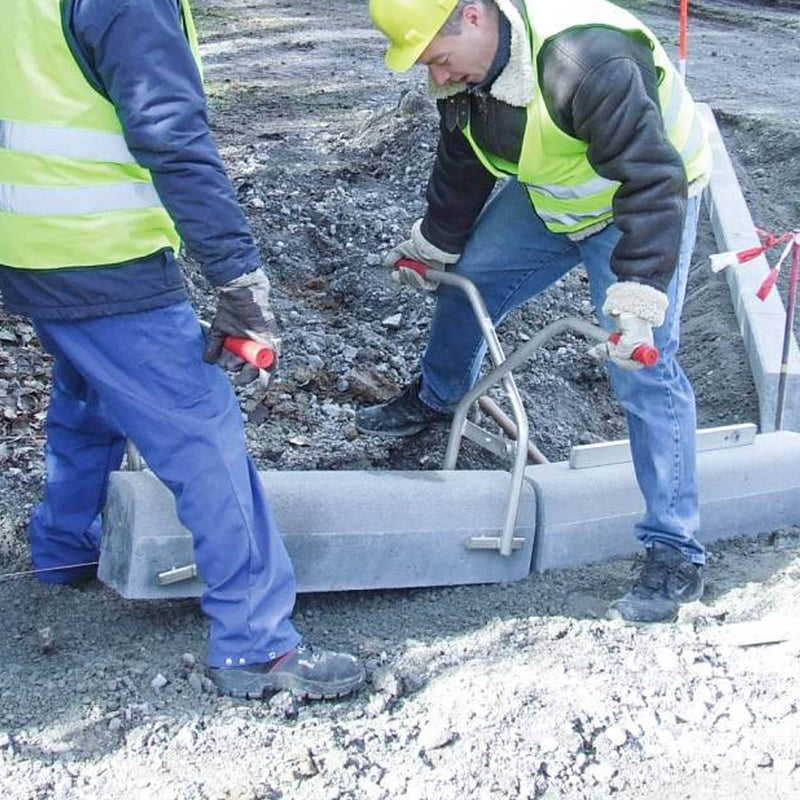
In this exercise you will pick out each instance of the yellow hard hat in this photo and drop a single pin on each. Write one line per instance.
(410, 26)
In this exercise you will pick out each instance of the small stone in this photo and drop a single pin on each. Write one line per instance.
(188, 661)
(114, 724)
(617, 735)
(46, 644)
(601, 773)
(5, 740)
(284, 705)
(303, 764)
(764, 760)
(435, 735)
(378, 703)
(386, 681)
(392, 322)
(196, 682)
(159, 682)
(667, 659)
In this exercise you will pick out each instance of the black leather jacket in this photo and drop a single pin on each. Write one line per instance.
(600, 86)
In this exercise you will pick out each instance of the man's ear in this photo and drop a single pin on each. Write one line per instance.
(473, 15)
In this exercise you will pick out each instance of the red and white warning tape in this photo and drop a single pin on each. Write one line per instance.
(790, 239)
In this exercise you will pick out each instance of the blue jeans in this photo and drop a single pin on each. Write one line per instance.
(511, 257)
(141, 376)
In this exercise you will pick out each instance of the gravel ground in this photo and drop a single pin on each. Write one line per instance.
(524, 690)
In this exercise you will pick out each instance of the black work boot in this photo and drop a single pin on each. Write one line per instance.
(403, 415)
(305, 672)
(667, 579)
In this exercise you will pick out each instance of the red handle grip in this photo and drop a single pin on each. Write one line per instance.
(645, 354)
(415, 266)
(259, 355)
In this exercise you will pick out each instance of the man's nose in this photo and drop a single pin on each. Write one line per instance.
(439, 74)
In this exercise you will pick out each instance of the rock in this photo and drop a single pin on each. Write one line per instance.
(159, 682)
(303, 764)
(5, 741)
(436, 734)
(386, 681)
(378, 703)
(667, 659)
(600, 773)
(188, 661)
(393, 322)
(284, 705)
(115, 724)
(617, 735)
(764, 760)
(196, 682)
(46, 644)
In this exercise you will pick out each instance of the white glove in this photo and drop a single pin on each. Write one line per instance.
(637, 309)
(418, 248)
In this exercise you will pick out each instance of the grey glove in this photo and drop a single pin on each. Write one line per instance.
(418, 248)
(243, 310)
(637, 308)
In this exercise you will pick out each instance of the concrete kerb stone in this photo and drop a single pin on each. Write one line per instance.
(363, 530)
(343, 530)
(761, 322)
(588, 515)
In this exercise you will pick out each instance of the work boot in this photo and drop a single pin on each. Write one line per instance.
(667, 579)
(305, 672)
(403, 415)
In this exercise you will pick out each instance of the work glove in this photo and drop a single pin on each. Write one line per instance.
(637, 309)
(418, 248)
(243, 310)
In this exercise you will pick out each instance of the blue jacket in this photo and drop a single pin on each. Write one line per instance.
(136, 54)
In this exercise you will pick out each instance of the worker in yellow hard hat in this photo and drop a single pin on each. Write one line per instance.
(577, 108)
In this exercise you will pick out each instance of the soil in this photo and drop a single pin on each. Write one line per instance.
(514, 691)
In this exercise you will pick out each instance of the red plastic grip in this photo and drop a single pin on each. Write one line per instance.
(644, 354)
(416, 266)
(259, 355)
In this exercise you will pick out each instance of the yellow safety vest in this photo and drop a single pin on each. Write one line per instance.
(566, 191)
(71, 193)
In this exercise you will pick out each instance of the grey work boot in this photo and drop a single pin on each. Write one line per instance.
(305, 672)
(667, 579)
(403, 415)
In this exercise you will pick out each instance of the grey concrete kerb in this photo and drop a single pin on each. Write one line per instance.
(761, 322)
(370, 530)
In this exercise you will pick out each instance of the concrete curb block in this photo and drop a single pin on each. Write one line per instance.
(588, 515)
(343, 530)
(761, 323)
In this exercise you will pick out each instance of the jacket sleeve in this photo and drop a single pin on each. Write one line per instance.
(457, 189)
(606, 95)
(141, 60)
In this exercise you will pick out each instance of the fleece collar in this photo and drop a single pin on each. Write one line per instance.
(515, 84)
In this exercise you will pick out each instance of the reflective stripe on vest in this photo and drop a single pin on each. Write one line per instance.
(71, 192)
(48, 140)
(46, 201)
(566, 191)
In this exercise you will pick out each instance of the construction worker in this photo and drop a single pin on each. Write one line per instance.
(106, 159)
(603, 155)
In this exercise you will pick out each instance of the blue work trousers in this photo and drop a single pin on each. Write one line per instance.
(141, 377)
(511, 257)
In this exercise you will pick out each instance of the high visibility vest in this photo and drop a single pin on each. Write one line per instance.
(71, 192)
(566, 191)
